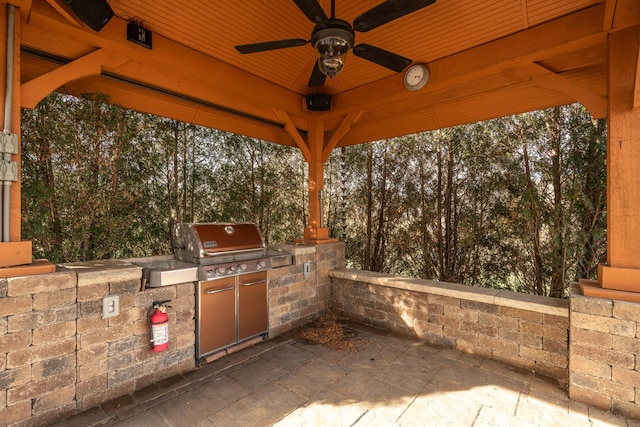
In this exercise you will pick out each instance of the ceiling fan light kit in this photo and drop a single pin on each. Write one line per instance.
(333, 38)
(332, 42)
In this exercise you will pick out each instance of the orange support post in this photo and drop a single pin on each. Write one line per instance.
(16, 254)
(621, 274)
(315, 232)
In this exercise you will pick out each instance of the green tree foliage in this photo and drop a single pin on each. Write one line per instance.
(99, 181)
(514, 203)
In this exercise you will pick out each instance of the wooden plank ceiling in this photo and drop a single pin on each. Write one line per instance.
(487, 59)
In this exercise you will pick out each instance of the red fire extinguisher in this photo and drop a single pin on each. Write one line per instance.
(159, 325)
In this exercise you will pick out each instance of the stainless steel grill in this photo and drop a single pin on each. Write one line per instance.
(225, 249)
(232, 289)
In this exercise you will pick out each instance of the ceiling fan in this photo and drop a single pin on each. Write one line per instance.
(332, 38)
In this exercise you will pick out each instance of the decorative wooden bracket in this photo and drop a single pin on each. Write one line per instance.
(37, 89)
(293, 132)
(316, 153)
(64, 11)
(342, 130)
(547, 79)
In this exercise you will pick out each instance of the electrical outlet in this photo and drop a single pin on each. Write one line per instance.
(110, 306)
(306, 269)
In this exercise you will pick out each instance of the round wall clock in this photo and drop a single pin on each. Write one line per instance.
(416, 77)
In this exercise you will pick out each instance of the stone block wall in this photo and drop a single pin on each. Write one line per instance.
(604, 368)
(59, 356)
(526, 331)
(296, 299)
(113, 354)
(37, 348)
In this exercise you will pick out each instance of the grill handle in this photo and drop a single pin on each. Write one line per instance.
(215, 291)
(257, 282)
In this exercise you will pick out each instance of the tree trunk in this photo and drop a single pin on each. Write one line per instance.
(176, 172)
(192, 185)
(121, 126)
(427, 243)
(534, 223)
(46, 165)
(379, 245)
(558, 257)
(594, 190)
(441, 270)
(185, 170)
(449, 207)
(367, 246)
(343, 196)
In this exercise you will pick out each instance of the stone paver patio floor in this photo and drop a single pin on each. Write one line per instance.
(390, 381)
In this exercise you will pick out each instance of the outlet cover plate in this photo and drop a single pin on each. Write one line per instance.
(110, 306)
(306, 269)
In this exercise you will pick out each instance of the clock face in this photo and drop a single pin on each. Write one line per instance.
(416, 77)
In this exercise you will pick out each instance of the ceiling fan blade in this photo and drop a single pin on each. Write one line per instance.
(272, 45)
(317, 78)
(382, 57)
(387, 12)
(312, 10)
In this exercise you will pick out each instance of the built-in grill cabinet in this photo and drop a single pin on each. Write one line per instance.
(231, 310)
(231, 296)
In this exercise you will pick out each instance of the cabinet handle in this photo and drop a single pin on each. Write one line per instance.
(215, 291)
(254, 283)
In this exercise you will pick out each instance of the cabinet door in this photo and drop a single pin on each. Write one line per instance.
(217, 315)
(252, 304)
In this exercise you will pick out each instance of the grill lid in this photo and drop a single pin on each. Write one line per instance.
(196, 241)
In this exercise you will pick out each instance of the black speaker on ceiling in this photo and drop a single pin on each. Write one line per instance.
(95, 13)
(318, 102)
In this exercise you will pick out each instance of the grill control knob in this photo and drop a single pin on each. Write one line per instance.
(220, 271)
(260, 265)
(242, 267)
(231, 269)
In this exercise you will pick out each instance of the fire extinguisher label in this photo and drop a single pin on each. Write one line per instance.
(160, 334)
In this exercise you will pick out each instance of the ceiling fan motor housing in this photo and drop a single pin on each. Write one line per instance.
(333, 28)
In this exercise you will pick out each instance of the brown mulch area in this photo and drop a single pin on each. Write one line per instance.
(329, 332)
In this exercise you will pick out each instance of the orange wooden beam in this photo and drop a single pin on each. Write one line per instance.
(37, 89)
(292, 130)
(622, 271)
(627, 14)
(342, 130)
(195, 75)
(63, 10)
(166, 105)
(579, 30)
(609, 13)
(487, 99)
(23, 5)
(315, 232)
(544, 78)
(14, 252)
